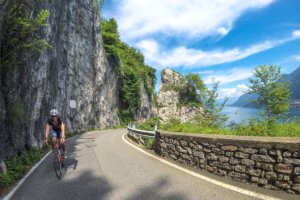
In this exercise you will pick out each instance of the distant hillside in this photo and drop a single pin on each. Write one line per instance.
(293, 78)
(246, 101)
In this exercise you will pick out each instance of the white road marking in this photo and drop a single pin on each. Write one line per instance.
(219, 183)
(12, 192)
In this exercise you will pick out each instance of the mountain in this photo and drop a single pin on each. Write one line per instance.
(245, 101)
(293, 78)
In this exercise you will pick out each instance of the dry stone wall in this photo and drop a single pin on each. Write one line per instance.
(272, 163)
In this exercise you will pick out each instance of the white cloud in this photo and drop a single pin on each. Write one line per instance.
(182, 56)
(205, 72)
(297, 57)
(232, 92)
(223, 31)
(195, 18)
(296, 34)
(150, 47)
(235, 74)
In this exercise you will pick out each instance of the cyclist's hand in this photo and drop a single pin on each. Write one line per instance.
(62, 140)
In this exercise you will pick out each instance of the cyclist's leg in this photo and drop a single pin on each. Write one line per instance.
(63, 145)
(54, 138)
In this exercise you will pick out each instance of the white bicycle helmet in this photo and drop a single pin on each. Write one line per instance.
(53, 112)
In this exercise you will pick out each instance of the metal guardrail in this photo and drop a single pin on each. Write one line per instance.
(132, 130)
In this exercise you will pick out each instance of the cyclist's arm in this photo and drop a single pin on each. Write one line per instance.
(47, 131)
(63, 130)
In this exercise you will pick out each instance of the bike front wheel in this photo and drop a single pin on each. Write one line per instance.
(58, 166)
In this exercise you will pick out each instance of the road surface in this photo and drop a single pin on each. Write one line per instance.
(101, 165)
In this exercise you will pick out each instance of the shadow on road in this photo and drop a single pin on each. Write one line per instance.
(85, 186)
(157, 190)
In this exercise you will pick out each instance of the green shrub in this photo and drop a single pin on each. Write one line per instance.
(149, 143)
(17, 166)
(149, 124)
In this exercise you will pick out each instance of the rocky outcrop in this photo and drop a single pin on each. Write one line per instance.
(75, 70)
(147, 109)
(168, 99)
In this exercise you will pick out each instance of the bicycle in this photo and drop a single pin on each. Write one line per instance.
(58, 159)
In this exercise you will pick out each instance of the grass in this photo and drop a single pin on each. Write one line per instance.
(146, 127)
(254, 128)
(18, 166)
(149, 143)
(193, 128)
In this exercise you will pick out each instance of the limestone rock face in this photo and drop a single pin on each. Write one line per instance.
(74, 70)
(168, 99)
(147, 109)
(3, 7)
(73, 76)
(170, 77)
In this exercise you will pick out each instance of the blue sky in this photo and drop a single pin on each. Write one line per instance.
(224, 40)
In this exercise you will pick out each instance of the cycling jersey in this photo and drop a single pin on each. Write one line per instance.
(56, 126)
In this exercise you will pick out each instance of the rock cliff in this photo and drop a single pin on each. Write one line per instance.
(168, 99)
(75, 70)
(147, 108)
(74, 76)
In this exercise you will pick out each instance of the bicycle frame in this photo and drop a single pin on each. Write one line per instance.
(58, 159)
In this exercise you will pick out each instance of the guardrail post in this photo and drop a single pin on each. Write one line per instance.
(155, 129)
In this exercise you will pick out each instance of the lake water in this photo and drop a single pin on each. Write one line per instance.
(237, 114)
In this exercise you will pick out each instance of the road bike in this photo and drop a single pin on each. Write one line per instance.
(58, 159)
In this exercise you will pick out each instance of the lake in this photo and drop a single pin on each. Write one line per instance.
(237, 114)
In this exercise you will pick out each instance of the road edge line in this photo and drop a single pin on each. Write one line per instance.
(219, 183)
(12, 192)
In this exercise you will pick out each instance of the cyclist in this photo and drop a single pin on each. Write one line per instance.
(57, 129)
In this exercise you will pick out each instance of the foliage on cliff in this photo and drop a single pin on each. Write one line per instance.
(21, 32)
(190, 89)
(190, 92)
(131, 69)
(21, 39)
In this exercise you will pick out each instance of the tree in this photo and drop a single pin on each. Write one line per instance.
(213, 117)
(192, 89)
(273, 92)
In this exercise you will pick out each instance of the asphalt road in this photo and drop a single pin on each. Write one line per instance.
(101, 165)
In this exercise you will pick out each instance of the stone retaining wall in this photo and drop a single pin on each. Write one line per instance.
(272, 163)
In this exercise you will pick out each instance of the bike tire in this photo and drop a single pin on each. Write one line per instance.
(57, 166)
